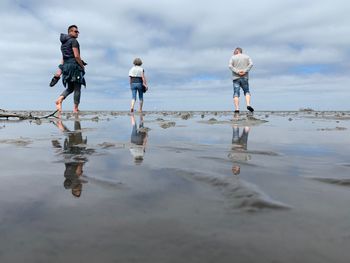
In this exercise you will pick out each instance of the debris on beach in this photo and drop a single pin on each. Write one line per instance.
(186, 116)
(306, 110)
(166, 125)
(25, 116)
(22, 142)
(107, 145)
(333, 129)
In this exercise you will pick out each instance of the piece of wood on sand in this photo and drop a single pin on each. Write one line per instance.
(29, 116)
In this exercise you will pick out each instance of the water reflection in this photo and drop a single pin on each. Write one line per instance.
(239, 145)
(138, 139)
(74, 153)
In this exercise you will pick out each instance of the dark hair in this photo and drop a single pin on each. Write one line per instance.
(71, 26)
(239, 49)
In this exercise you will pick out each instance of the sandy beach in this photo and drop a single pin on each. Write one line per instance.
(176, 187)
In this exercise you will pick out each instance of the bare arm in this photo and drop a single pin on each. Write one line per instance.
(144, 81)
(77, 57)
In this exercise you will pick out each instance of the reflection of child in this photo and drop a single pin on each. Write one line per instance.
(58, 73)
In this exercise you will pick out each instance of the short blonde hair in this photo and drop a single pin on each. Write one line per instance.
(137, 62)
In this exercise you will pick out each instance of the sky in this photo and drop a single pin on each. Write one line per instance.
(300, 51)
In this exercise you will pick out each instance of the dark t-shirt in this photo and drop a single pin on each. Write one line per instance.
(67, 48)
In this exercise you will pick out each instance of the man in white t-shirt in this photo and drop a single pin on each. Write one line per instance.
(240, 65)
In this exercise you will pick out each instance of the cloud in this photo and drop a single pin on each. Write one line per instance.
(296, 46)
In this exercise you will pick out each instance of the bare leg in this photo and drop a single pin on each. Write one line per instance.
(141, 104)
(59, 103)
(58, 73)
(133, 120)
(247, 99)
(132, 105)
(236, 102)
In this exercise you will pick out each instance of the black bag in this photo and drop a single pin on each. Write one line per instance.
(144, 88)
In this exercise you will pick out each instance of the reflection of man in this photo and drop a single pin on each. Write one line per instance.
(239, 147)
(72, 174)
(138, 140)
(74, 159)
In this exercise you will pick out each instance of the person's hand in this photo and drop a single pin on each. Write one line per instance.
(241, 73)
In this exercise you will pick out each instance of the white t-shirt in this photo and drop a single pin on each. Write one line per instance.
(137, 151)
(136, 71)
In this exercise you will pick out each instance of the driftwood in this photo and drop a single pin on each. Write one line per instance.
(29, 116)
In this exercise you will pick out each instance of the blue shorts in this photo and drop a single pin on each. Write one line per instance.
(136, 88)
(238, 84)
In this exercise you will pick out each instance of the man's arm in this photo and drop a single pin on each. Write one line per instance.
(232, 68)
(246, 70)
(77, 57)
(250, 65)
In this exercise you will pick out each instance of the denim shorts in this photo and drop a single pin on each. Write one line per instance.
(136, 88)
(238, 84)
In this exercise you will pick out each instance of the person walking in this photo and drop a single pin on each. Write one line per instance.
(240, 65)
(138, 83)
(73, 69)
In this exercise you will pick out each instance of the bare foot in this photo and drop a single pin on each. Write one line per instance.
(76, 108)
(59, 105)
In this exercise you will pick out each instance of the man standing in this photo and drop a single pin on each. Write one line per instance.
(240, 65)
(73, 69)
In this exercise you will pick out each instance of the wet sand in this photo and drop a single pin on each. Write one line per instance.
(176, 187)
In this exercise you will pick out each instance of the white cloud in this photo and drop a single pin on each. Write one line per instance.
(185, 45)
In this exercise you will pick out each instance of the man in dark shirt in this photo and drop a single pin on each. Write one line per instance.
(73, 69)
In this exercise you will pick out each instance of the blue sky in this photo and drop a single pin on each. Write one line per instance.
(300, 51)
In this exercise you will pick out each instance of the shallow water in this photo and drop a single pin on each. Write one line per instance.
(212, 188)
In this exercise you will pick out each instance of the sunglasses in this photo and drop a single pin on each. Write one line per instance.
(76, 31)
